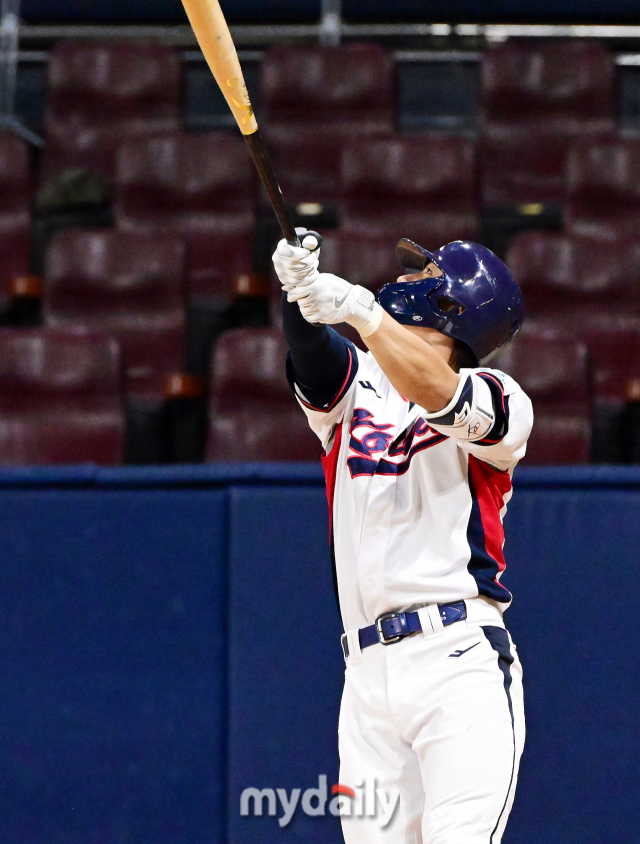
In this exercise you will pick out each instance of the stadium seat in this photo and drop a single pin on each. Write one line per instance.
(603, 188)
(575, 276)
(201, 187)
(340, 90)
(553, 369)
(537, 96)
(60, 398)
(253, 414)
(307, 164)
(315, 99)
(613, 341)
(128, 285)
(421, 187)
(99, 94)
(15, 187)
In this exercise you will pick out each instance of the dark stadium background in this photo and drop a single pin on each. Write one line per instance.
(168, 630)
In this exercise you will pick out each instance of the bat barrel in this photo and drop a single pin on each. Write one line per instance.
(265, 170)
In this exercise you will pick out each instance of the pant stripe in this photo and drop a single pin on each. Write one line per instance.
(498, 638)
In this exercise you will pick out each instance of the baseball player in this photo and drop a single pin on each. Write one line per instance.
(421, 440)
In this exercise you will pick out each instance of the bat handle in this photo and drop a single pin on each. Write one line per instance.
(268, 178)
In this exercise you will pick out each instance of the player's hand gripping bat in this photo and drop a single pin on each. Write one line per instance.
(215, 41)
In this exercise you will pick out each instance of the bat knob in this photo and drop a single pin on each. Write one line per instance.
(310, 240)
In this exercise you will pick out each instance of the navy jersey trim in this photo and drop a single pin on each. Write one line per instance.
(500, 427)
(498, 638)
(482, 565)
(324, 400)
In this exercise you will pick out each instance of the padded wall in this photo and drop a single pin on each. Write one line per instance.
(112, 666)
(169, 637)
(573, 565)
(285, 662)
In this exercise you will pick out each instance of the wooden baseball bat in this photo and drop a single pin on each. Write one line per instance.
(215, 41)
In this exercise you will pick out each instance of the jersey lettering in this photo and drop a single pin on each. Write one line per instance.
(377, 441)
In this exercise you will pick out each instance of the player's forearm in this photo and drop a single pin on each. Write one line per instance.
(414, 368)
(319, 355)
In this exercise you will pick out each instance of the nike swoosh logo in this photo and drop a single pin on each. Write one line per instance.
(460, 653)
(338, 302)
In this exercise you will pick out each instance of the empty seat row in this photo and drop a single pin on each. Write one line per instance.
(202, 188)
(568, 377)
(133, 285)
(130, 286)
(575, 275)
(61, 397)
(537, 97)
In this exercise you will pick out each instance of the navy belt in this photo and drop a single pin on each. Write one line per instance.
(391, 627)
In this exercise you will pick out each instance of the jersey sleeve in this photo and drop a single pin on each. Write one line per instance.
(322, 411)
(489, 416)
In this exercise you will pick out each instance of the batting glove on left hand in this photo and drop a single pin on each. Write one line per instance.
(297, 264)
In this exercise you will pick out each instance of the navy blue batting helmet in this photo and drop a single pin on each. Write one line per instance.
(476, 300)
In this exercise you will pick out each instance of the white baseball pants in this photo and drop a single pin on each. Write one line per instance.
(439, 718)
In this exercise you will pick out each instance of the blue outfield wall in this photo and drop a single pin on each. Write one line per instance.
(169, 637)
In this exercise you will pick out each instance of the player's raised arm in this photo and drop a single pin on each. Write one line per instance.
(461, 299)
(322, 364)
(417, 366)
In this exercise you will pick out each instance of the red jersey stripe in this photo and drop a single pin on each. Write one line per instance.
(491, 486)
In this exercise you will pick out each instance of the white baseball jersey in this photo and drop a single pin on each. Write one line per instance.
(417, 499)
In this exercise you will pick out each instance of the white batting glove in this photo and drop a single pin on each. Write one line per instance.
(329, 299)
(296, 264)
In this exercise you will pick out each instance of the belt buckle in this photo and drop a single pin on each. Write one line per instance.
(381, 637)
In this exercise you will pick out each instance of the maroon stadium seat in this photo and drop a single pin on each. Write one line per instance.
(307, 164)
(315, 99)
(552, 368)
(201, 187)
(369, 261)
(537, 97)
(253, 413)
(613, 341)
(14, 209)
(128, 285)
(420, 187)
(100, 94)
(574, 276)
(60, 397)
(348, 89)
(603, 188)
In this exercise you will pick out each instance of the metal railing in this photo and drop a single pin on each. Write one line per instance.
(329, 30)
(9, 56)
